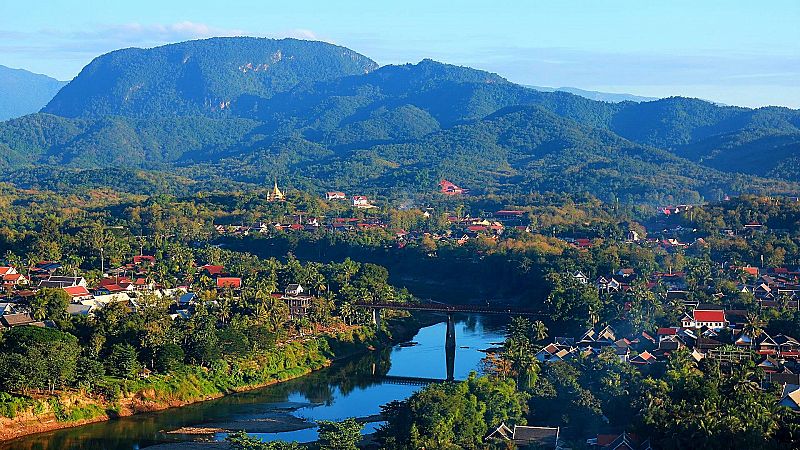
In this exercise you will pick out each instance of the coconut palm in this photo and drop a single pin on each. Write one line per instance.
(753, 327)
(539, 330)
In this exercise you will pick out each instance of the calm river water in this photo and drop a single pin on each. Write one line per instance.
(346, 389)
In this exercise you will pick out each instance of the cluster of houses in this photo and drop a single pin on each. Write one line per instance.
(550, 438)
(708, 331)
(125, 285)
(461, 230)
(637, 350)
(773, 287)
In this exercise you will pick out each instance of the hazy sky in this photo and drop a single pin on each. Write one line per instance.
(741, 52)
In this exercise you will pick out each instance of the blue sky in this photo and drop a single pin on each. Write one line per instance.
(735, 52)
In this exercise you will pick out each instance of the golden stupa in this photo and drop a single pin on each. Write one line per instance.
(275, 194)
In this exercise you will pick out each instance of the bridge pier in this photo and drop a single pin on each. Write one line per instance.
(376, 318)
(450, 348)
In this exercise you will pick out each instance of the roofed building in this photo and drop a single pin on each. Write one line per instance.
(536, 437)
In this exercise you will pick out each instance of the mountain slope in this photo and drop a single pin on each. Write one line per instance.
(23, 92)
(113, 141)
(206, 77)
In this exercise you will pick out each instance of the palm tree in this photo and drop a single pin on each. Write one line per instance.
(346, 311)
(753, 327)
(520, 329)
(539, 330)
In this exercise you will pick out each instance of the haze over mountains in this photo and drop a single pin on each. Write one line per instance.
(599, 96)
(316, 115)
(23, 92)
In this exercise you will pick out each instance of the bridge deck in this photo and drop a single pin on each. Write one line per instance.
(440, 307)
(409, 381)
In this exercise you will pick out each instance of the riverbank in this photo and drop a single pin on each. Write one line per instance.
(192, 385)
(113, 398)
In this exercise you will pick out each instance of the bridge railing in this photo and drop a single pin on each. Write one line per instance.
(441, 307)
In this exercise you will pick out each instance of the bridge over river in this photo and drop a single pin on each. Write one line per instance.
(450, 337)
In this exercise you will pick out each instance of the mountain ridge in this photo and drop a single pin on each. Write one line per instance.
(335, 119)
(199, 77)
(23, 92)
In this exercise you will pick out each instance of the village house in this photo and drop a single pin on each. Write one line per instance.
(54, 281)
(144, 259)
(790, 397)
(6, 308)
(624, 441)
(229, 282)
(78, 293)
(11, 280)
(526, 436)
(212, 270)
(705, 316)
(335, 195)
(580, 277)
(361, 201)
(297, 300)
(19, 319)
(448, 188)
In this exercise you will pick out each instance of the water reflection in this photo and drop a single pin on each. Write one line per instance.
(344, 390)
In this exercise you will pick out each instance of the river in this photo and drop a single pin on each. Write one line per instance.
(352, 388)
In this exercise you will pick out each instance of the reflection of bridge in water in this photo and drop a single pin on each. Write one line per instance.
(408, 381)
(450, 336)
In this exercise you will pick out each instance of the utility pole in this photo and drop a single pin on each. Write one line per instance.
(102, 266)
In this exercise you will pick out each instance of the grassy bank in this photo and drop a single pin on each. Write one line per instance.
(114, 397)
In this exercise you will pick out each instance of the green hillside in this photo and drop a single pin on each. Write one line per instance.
(207, 77)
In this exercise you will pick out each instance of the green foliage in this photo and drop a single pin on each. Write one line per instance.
(50, 303)
(343, 435)
(122, 361)
(241, 441)
(12, 405)
(37, 358)
(571, 300)
(169, 357)
(694, 405)
(452, 415)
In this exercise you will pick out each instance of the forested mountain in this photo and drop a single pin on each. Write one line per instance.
(249, 110)
(200, 77)
(23, 92)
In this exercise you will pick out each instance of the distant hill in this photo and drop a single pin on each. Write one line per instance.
(23, 92)
(328, 118)
(206, 77)
(599, 96)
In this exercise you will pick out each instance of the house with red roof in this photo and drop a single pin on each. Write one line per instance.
(142, 259)
(752, 271)
(229, 282)
(14, 279)
(705, 318)
(448, 188)
(78, 293)
(212, 270)
(335, 195)
(644, 358)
